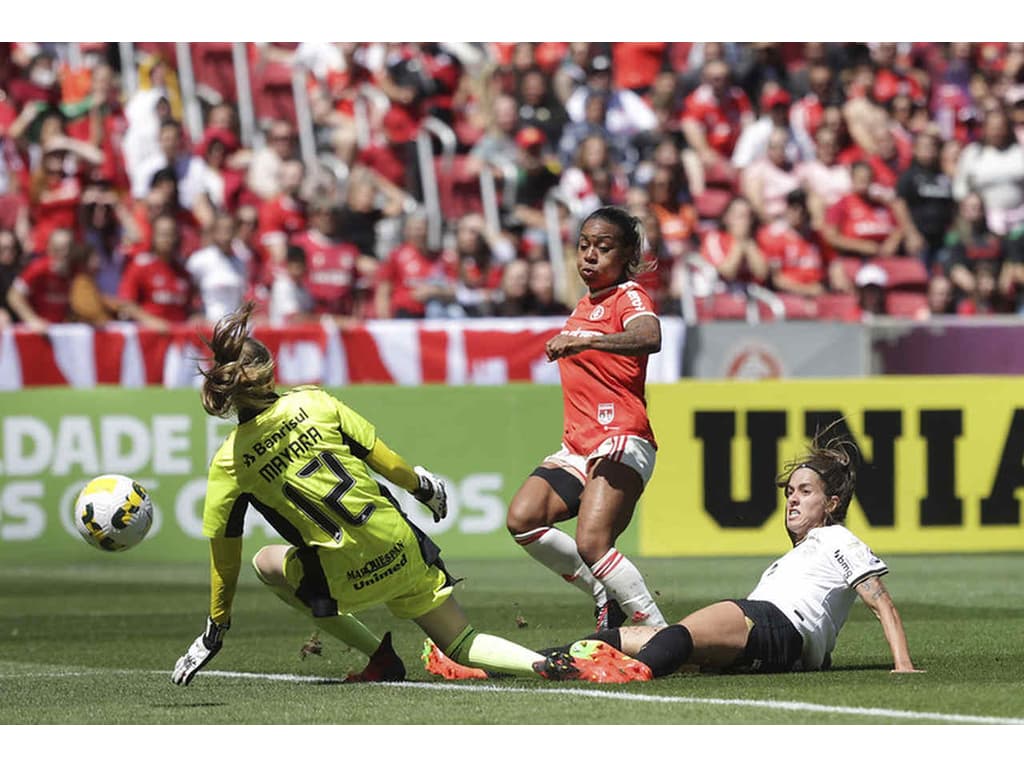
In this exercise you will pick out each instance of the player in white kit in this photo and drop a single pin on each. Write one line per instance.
(791, 620)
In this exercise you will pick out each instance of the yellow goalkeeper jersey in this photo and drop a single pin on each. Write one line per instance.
(300, 463)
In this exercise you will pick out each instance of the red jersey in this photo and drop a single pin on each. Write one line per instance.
(715, 248)
(281, 217)
(385, 160)
(853, 216)
(722, 120)
(331, 272)
(47, 291)
(791, 254)
(161, 288)
(56, 208)
(407, 267)
(603, 393)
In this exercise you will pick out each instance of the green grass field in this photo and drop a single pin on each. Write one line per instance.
(94, 642)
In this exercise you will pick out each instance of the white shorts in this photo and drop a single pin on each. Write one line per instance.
(630, 450)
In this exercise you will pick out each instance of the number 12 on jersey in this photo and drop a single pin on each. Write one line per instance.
(325, 512)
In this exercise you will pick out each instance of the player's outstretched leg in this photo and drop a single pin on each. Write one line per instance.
(269, 566)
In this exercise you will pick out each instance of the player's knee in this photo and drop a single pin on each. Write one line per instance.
(593, 543)
(268, 566)
(526, 514)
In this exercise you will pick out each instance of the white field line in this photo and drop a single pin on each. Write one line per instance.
(789, 706)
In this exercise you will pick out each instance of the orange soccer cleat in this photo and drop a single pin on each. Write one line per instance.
(599, 662)
(436, 663)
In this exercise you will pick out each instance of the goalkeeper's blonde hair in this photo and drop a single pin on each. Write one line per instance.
(241, 375)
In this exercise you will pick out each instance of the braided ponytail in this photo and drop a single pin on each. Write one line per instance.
(241, 377)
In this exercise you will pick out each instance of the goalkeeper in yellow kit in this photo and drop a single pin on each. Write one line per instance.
(302, 460)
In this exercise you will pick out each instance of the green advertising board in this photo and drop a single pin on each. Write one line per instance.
(484, 440)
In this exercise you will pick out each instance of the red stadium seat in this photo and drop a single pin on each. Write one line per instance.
(908, 304)
(721, 306)
(903, 271)
(214, 70)
(272, 94)
(799, 307)
(459, 190)
(838, 306)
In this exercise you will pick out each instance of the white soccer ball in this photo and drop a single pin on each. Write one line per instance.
(113, 513)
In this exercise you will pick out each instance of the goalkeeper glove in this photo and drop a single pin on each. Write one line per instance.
(432, 493)
(203, 649)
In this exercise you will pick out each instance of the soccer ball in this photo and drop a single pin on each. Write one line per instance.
(113, 513)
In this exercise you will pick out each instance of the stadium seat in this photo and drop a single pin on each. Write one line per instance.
(459, 190)
(799, 307)
(214, 71)
(721, 306)
(903, 271)
(272, 94)
(908, 304)
(838, 306)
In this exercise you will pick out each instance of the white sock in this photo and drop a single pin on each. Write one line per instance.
(623, 583)
(556, 549)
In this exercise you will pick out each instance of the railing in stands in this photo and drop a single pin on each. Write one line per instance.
(431, 126)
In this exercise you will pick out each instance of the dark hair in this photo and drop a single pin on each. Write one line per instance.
(832, 459)
(295, 254)
(797, 197)
(631, 230)
(241, 377)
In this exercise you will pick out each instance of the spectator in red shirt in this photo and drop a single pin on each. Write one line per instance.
(56, 190)
(636, 65)
(733, 250)
(40, 295)
(281, 218)
(414, 277)
(713, 117)
(481, 255)
(332, 264)
(791, 247)
(157, 282)
(393, 157)
(860, 224)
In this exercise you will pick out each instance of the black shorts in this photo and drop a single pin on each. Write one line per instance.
(774, 645)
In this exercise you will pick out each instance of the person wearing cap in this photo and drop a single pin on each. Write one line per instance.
(537, 176)
(753, 142)
(871, 281)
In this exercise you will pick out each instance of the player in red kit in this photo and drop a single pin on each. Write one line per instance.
(608, 447)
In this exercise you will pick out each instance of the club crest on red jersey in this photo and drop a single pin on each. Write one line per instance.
(597, 312)
(605, 413)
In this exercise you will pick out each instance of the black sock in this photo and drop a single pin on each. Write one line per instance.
(610, 636)
(667, 651)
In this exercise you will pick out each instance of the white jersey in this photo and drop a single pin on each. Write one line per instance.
(813, 584)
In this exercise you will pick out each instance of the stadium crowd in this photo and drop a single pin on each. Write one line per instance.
(841, 180)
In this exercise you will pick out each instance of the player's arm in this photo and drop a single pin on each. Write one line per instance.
(641, 336)
(223, 518)
(877, 598)
(361, 438)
